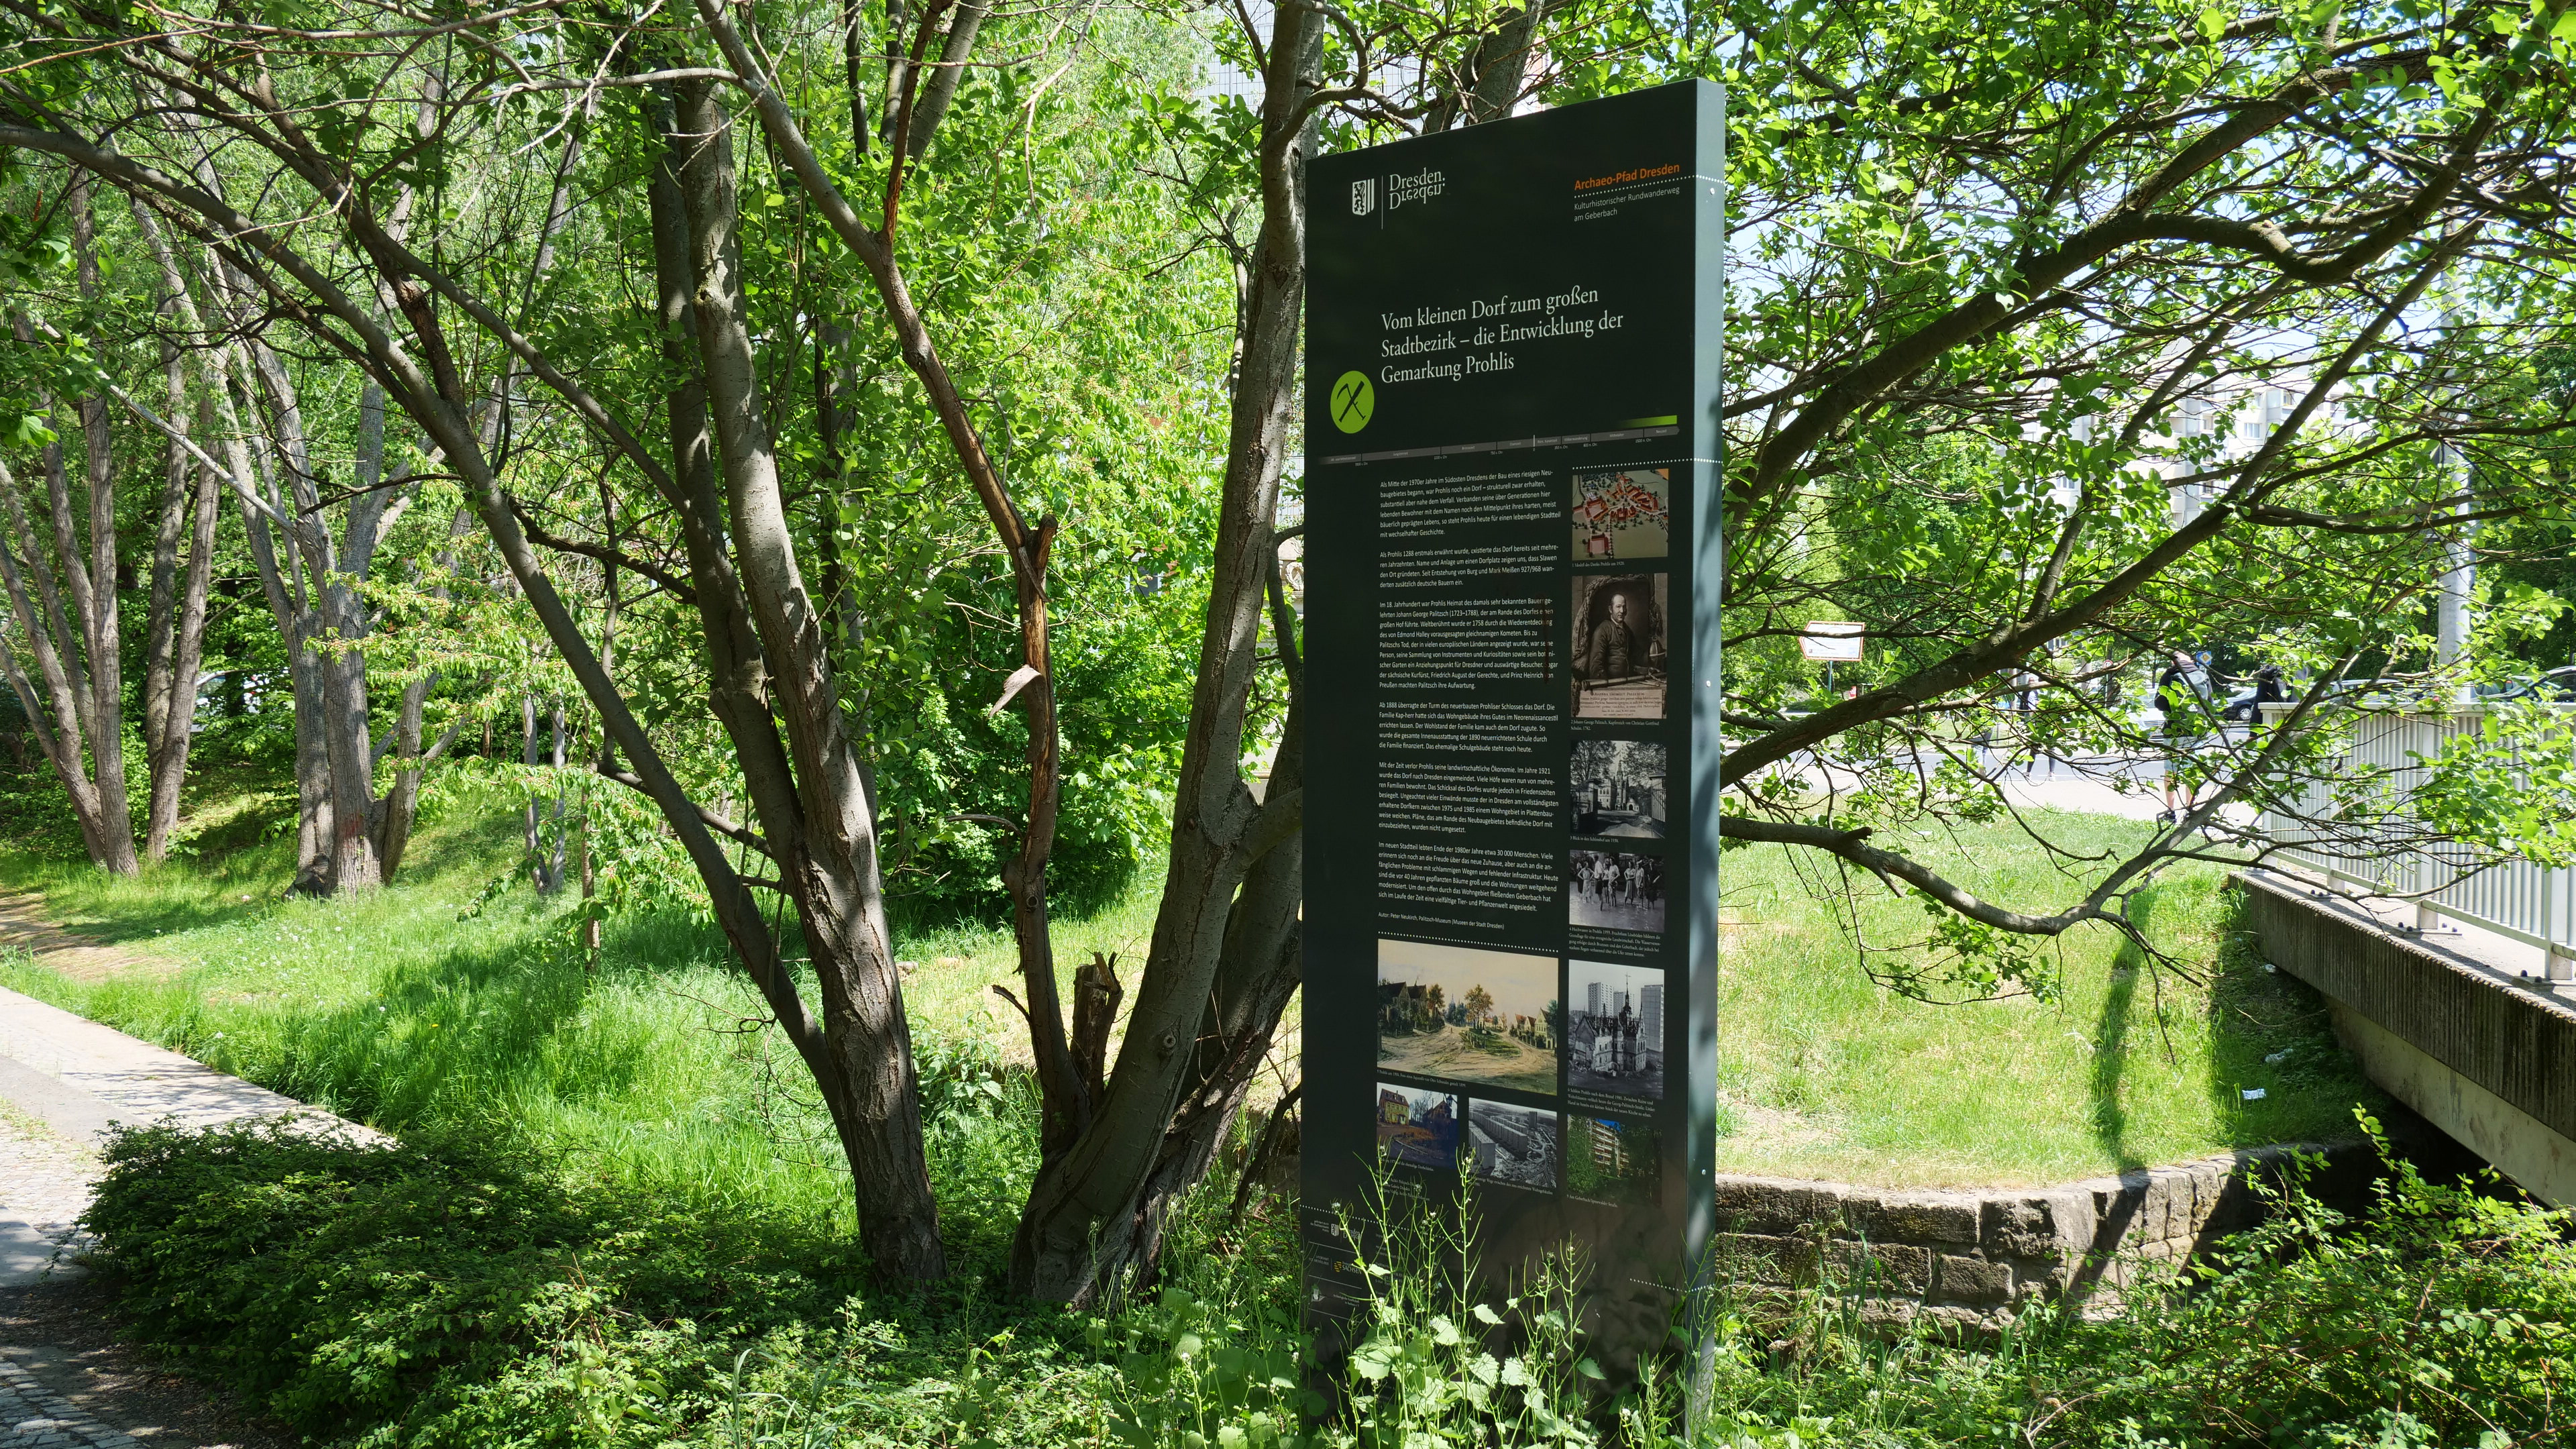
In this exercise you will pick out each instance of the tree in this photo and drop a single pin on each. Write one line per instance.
(63, 599)
(1479, 1003)
(328, 257)
(2065, 338)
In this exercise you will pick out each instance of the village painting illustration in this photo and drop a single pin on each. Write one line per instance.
(1466, 1015)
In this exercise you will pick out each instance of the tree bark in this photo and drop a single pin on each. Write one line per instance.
(174, 649)
(1223, 962)
(334, 623)
(811, 799)
(59, 714)
(79, 652)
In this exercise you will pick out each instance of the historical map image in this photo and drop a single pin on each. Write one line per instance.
(1625, 514)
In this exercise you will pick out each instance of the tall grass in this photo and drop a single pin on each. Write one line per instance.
(439, 1004)
(1824, 1072)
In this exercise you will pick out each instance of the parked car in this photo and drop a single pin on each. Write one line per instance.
(2381, 692)
(2551, 686)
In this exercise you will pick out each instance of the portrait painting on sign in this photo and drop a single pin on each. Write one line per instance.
(1620, 645)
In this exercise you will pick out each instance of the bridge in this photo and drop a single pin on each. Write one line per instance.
(2451, 977)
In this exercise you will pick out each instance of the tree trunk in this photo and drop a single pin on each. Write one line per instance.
(58, 716)
(170, 708)
(814, 812)
(1223, 962)
(78, 651)
(333, 623)
(174, 649)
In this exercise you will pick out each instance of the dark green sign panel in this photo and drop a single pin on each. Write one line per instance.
(1512, 353)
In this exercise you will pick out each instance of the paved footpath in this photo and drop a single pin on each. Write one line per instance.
(63, 1080)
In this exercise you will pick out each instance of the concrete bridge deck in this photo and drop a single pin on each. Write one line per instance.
(2460, 1025)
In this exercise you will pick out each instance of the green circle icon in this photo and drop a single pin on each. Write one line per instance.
(1354, 401)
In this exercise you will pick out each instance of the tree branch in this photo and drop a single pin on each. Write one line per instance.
(662, 578)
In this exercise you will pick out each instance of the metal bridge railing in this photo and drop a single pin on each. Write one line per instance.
(2514, 898)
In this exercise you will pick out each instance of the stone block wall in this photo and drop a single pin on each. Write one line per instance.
(1970, 1259)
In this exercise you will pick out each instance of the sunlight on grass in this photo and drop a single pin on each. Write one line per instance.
(1823, 1073)
(393, 1009)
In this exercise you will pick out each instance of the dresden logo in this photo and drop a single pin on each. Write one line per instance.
(1364, 196)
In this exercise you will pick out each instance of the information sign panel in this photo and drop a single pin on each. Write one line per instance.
(1831, 642)
(1513, 343)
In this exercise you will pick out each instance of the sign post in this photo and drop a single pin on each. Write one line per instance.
(1513, 346)
(1831, 642)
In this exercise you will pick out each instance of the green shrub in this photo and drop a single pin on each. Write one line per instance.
(428, 1296)
(2440, 1317)
(436, 1295)
(421, 1296)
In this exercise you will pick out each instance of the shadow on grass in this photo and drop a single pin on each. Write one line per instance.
(2111, 1041)
(218, 890)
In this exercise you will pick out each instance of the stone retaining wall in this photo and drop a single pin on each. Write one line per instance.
(1971, 1259)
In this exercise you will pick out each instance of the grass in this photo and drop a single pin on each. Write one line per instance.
(392, 1009)
(616, 1219)
(396, 1009)
(1825, 1073)
(652, 1106)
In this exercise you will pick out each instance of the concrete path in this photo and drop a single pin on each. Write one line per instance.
(65, 1381)
(74, 1078)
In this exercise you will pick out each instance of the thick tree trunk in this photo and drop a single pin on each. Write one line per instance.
(811, 798)
(106, 647)
(175, 628)
(176, 653)
(1097, 1160)
(1223, 960)
(57, 713)
(333, 623)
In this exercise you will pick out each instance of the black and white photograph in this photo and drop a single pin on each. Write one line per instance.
(1616, 891)
(1614, 1030)
(1620, 639)
(1515, 1145)
(1618, 789)
(1417, 1126)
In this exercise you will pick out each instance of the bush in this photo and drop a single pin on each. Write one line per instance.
(423, 1296)
(436, 1296)
(2442, 1317)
